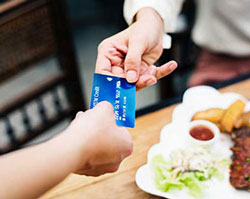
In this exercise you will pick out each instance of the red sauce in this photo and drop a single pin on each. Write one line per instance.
(202, 133)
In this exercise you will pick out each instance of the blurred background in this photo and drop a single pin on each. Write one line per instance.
(28, 117)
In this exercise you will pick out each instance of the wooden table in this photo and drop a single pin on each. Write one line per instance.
(121, 185)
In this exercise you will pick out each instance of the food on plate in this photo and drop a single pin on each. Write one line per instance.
(219, 126)
(240, 168)
(213, 115)
(231, 115)
(227, 119)
(202, 133)
(201, 166)
(188, 168)
(243, 121)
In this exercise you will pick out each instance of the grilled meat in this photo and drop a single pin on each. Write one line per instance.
(240, 168)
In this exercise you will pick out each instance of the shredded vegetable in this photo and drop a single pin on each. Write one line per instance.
(188, 168)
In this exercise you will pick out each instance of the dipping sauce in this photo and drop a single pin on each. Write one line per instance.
(202, 133)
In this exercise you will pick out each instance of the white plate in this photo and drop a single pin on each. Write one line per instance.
(172, 138)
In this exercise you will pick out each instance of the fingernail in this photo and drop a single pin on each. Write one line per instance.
(131, 76)
(172, 66)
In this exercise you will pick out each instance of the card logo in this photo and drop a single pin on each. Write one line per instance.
(109, 79)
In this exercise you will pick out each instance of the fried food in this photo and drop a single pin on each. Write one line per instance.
(243, 121)
(213, 115)
(219, 126)
(231, 115)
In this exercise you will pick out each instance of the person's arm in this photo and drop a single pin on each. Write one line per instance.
(91, 145)
(30, 172)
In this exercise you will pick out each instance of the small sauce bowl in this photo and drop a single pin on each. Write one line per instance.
(202, 132)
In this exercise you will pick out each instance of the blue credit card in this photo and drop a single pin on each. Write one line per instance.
(119, 93)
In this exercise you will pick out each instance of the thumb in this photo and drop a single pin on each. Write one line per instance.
(133, 60)
(104, 109)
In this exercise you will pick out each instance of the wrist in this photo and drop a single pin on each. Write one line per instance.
(150, 16)
(71, 147)
(148, 13)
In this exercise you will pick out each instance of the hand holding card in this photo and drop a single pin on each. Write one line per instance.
(119, 93)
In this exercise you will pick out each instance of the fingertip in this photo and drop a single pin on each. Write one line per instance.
(79, 114)
(132, 68)
(106, 106)
(131, 76)
(172, 65)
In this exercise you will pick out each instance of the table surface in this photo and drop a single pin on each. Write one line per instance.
(122, 183)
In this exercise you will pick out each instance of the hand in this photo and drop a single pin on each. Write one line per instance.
(103, 145)
(132, 52)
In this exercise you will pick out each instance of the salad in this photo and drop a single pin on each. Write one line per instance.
(188, 168)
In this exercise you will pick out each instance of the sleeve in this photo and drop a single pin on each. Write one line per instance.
(167, 9)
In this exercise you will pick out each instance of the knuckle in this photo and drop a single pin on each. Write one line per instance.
(132, 62)
(126, 146)
(101, 45)
(160, 74)
(159, 50)
(130, 148)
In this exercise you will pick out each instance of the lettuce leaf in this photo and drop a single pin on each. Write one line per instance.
(163, 175)
(168, 178)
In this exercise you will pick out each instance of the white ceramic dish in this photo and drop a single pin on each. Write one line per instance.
(195, 142)
(172, 138)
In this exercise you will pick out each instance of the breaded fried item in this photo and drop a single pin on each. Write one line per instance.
(231, 115)
(238, 123)
(243, 121)
(219, 126)
(213, 115)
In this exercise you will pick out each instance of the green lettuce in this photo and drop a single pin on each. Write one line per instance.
(169, 177)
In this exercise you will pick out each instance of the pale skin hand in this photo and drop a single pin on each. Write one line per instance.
(106, 144)
(132, 52)
(91, 145)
